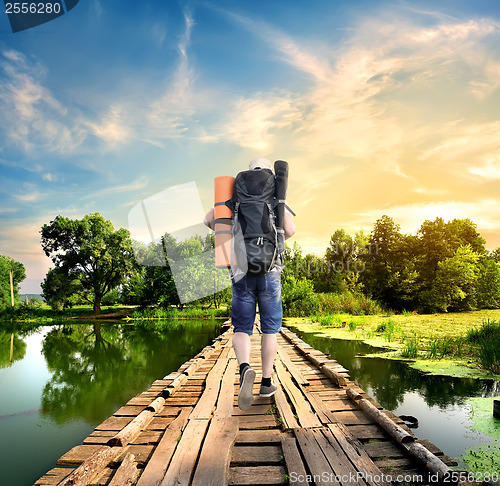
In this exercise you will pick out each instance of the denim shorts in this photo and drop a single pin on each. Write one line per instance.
(264, 290)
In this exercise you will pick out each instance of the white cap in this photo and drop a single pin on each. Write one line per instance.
(260, 163)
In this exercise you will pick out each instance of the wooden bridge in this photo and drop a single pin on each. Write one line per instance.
(187, 430)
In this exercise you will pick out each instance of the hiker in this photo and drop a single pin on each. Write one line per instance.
(248, 290)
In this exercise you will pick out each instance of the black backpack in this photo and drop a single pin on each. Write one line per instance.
(257, 243)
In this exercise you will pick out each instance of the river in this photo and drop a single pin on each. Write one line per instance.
(442, 404)
(58, 382)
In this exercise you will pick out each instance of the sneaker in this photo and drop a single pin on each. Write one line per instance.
(245, 393)
(267, 391)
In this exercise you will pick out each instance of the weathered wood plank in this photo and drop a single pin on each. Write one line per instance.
(225, 400)
(357, 454)
(257, 422)
(181, 467)
(315, 459)
(155, 469)
(295, 467)
(337, 458)
(246, 475)
(292, 368)
(306, 417)
(53, 477)
(247, 455)
(127, 473)
(263, 437)
(285, 410)
(206, 404)
(213, 464)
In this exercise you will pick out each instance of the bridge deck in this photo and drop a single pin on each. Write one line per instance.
(187, 429)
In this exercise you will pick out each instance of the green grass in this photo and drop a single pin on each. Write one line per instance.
(458, 344)
(486, 340)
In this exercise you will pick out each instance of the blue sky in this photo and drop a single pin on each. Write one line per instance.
(380, 107)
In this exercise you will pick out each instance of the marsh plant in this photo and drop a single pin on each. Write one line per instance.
(486, 339)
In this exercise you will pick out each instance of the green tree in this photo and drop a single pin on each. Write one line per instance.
(18, 275)
(61, 290)
(488, 284)
(391, 273)
(454, 286)
(91, 250)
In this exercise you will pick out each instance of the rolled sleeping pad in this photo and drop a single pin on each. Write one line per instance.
(281, 178)
(223, 188)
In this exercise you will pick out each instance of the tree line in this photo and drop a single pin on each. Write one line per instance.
(443, 267)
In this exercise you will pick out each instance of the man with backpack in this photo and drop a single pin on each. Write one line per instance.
(260, 227)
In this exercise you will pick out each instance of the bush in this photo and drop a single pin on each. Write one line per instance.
(348, 303)
(299, 299)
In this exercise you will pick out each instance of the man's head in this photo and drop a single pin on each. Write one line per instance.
(260, 163)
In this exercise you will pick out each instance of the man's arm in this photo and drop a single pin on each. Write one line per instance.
(288, 225)
(209, 219)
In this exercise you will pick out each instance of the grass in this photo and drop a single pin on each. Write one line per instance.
(459, 344)
(175, 313)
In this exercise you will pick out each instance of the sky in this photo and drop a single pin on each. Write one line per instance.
(380, 107)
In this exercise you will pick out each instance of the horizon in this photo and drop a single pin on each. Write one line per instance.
(380, 108)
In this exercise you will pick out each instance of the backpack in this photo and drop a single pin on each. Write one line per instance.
(257, 244)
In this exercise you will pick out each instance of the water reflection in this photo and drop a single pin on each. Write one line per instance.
(390, 381)
(65, 379)
(95, 369)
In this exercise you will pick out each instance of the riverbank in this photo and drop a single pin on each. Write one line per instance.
(433, 343)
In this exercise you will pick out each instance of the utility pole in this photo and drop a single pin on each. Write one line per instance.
(11, 288)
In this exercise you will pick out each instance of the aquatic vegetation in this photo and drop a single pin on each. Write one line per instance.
(487, 341)
(410, 347)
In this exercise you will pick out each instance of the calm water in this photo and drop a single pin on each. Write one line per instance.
(438, 402)
(58, 382)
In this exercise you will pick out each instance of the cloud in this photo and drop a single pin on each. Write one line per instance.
(36, 118)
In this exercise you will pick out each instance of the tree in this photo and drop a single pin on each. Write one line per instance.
(60, 290)
(18, 275)
(455, 282)
(391, 270)
(91, 251)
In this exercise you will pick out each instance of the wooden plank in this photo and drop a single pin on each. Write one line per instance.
(226, 397)
(303, 410)
(114, 423)
(181, 467)
(127, 473)
(133, 429)
(357, 454)
(383, 449)
(157, 465)
(206, 404)
(367, 432)
(284, 409)
(213, 465)
(99, 437)
(257, 422)
(338, 460)
(53, 477)
(295, 467)
(247, 455)
(147, 437)
(268, 475)
(292, 368)
(130, 410)
(263, 437)
(89, 467)
(315, 459)
(160, 423)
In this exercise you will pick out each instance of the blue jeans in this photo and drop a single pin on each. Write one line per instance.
(264, 290)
